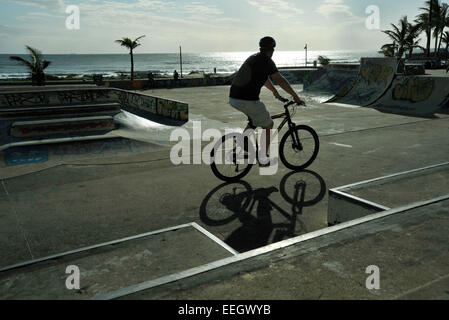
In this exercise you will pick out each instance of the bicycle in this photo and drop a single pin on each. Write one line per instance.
(298, 149)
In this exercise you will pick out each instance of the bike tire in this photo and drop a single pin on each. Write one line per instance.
(220, 174)
(304, 159)
(310, 201)
(216, 214)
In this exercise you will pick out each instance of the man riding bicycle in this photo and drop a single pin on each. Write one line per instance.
(246, 87)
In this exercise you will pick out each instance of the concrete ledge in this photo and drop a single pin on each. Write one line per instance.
(150, 105)
(259, 258)
(149, 255)
(55, 111)
(346, 204)
(25, 129)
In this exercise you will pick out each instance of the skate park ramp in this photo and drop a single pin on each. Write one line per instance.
(323, 85)
(415, 95)
(374, 78)
(378, 85)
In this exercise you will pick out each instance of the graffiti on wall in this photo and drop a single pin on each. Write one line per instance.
(23, 99)
(172, 109)
(42, 153)
(417, 95)
(330, 85)
(138, 101)
(42, 129)
(373, 73)
(345, 88)
(111, 146)
(82, 96)
(158, 106)
(166, 108)
(313, 77)
(22, 155)
(39, 98)
(414, 89)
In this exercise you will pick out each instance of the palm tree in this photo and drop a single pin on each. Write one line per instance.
(400, 37)
(422, 20)
(442, 22)
(434, 16)
(388, 50)
(412, 41)
(436, 13)
(131, 45)
(36, 65)
(426, 20)
(446, 40)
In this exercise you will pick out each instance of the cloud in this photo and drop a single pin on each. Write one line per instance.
(46, 4)
(340, 12)
(197, 8)
(12, 31)
(280, 8)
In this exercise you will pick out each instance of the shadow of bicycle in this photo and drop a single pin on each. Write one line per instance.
(254, 209)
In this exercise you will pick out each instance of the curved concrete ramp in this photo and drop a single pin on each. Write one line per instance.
(374, 78)
(415, 95)
(329, 84)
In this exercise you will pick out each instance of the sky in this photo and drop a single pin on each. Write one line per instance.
(197, 25)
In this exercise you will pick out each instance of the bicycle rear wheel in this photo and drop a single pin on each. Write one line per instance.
(299, 147)
(230, 161)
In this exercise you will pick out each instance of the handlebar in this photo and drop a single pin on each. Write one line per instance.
(288, 102)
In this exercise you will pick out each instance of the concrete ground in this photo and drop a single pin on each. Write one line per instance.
(82, 198)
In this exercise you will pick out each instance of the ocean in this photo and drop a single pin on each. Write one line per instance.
(78, 65)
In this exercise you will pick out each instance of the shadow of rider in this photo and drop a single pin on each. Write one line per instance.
(255, 231)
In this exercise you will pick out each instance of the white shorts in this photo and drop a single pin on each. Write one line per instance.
(255, 110)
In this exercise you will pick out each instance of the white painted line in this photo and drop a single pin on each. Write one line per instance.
(214, 238)
(340, 145)
(421, 287)
(389, 176)
(357, 199)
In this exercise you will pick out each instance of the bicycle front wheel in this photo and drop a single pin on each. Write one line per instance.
(299, 147)
(230, 160)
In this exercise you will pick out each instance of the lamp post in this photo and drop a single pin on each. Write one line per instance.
(305, 48)
(180, 58)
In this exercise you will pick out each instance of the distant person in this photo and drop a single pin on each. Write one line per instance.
(246, 87)
(175, 78)
(150, 80)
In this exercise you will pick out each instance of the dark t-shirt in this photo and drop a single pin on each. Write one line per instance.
(252, 76)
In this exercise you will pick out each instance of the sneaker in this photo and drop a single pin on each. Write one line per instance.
(267, 162)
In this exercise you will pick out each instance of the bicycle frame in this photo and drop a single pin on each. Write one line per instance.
(287, 119)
